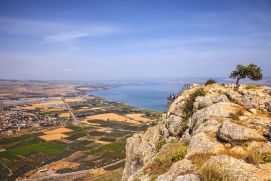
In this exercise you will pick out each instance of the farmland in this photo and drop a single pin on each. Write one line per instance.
(96, 143)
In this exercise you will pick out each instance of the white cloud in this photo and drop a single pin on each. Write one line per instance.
(56, 32)
(64, 37)
(83, 32)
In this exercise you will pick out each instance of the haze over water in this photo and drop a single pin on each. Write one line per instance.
(153, 95)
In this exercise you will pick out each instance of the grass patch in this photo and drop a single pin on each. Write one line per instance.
(213, 174)
(255, 157)
(166, 157)
(160, 143)
(248, 87)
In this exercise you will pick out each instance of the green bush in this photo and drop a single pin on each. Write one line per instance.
(160, 143)
(162, 159)
(179, 153)
(210, 81)
(266, 158)
(189, 104)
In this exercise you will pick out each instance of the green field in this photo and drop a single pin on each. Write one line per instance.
(4, 141)
(32, 146)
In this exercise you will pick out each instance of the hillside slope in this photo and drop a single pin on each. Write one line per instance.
(208, 132)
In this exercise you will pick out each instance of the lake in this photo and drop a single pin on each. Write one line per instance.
(152, 97)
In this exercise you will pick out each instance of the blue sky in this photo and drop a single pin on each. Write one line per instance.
(132, 39)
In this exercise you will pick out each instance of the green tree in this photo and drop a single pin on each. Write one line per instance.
(251, 71)
(210, 81)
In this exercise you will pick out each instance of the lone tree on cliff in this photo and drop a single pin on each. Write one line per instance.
(251, 71)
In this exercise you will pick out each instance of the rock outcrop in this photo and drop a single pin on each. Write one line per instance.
(208, 131)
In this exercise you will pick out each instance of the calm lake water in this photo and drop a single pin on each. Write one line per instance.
(153, 97)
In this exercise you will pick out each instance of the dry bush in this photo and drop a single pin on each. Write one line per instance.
(213, 173)
(200, 158)
(236, 116)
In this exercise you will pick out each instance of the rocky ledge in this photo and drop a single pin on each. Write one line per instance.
(208, 132)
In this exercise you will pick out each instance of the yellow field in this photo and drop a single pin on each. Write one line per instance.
(102, 142)
(104, 129)
(58, 130)
(112, 116)
(63, 164)
(50, 137)
(86, 122)
(55, 134)
(130, 118)
(64, 115)
(138, 117)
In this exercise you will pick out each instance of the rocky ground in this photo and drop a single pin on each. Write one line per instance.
(208, 133)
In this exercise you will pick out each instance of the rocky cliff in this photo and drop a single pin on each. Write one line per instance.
(208, 132)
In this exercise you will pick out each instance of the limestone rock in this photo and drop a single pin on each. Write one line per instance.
(235, 169)
(251, 99)
(187, 177)
(209, 126)
(209, 99)
(140, 148)
(218, 120)
(201, 143)
(176, 125)
(232, 132)
(219, 110)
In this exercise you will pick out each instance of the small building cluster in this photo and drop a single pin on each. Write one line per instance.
(14, 120)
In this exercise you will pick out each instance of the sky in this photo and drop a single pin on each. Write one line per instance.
(132, 39)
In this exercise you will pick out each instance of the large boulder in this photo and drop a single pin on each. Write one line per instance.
(258, 98)
(219, 110)
(176, 125)
(140, 148)
(231, 132)
(201, 143)
(230, 168)
(209, 99)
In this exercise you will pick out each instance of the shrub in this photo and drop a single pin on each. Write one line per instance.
(200, 158)
(162, 159)
(210, 81)
(160, 143)
(213, 173)
(189, 104)
(251, 87)
(179, 153)
(237, 114)
(255, 157)
(266, 157)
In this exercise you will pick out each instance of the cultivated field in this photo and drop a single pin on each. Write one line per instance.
(55, 146)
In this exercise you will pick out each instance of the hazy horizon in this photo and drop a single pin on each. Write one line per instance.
(132, 40)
